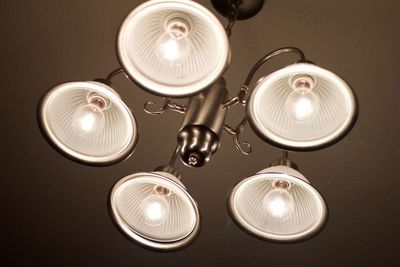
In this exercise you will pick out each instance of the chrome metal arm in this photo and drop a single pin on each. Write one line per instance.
(241, 145)
(114, 73)
(241, 97)
(153, 109)
(271, 55)
(108, 79)
(171, 167)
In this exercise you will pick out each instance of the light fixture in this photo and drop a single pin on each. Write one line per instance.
(154, 209)
(173, 48)
(88, 122)
(278, 204)
(178, 48)
(302, 107)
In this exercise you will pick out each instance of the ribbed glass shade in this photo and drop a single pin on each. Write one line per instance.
(267, 211)
(88, 122)
(302, 107)
(155, 210)
(173, 48)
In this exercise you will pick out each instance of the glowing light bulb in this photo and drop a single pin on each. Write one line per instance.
(302, 104)
(278, 204)
(88, 120)
(173, 45)
(155, 209)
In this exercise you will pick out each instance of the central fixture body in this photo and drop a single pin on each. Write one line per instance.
(176, 49)
(202, 126)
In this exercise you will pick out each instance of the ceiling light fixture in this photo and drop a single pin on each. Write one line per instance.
(178, 48)
(278, 204)
(173, 48)
(88, 122)
(154, 209)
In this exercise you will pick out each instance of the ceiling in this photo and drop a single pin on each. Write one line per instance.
(55, 210)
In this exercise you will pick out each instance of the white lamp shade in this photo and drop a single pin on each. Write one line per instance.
(302, 216)
(166, 221)
(188, 63)
(99, 136)
(302, 121)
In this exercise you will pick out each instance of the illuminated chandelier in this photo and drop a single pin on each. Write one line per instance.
(179, 49)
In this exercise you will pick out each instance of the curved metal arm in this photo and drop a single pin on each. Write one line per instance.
(239, 98)
(108, 79)
(177, 107)
(166, 105)
(268, 57)
(114, 73)
(244, 90)
(241, 145)
(150, 105)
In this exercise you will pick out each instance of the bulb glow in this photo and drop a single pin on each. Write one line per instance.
(278, 205)
(155, 209)
(302, 106)
(173, 46)
(88, 120)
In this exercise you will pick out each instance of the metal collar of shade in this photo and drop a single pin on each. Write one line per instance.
(295, 179)
(51, 104)
(133, 232)
(338, 102)
(139, 32)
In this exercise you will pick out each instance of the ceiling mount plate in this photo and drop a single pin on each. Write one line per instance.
(247, 8)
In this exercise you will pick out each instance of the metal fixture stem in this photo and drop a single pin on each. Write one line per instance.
(284, 161)
(202, 125)
(172, 165)
(205, 109)
(174, 156)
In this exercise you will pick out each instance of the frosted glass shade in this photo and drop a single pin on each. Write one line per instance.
(297, 119)
(173, 48)
(303, 215)
(155, 210)
(77, 125)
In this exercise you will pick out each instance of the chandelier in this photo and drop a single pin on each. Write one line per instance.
(179, 49)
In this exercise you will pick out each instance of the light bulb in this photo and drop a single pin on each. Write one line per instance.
(88, 120)
(173, 46)
(155, 209)
(302, 104)
(278, 204)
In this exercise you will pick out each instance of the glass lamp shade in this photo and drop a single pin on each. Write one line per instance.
(277, 204)
(88, 122)
(173, 48)
(302, 107)
(155, 210)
